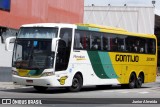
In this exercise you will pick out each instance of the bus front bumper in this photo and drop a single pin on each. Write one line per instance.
(48, 81)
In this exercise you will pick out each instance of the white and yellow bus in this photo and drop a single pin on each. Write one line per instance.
(76, 55)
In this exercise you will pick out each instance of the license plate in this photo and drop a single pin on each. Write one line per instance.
(29, 81)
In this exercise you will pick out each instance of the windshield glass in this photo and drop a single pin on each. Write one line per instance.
(38, 32)
(32, 48)
(33, 54)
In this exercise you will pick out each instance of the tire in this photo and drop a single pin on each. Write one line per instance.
(139, 81)
(40, 88)
(77, 83)
(132, 81)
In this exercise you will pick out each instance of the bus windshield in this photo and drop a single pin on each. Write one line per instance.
(38, 32)
(33, 54)
(32, 48)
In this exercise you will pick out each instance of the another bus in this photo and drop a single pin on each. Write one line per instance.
(76, 55)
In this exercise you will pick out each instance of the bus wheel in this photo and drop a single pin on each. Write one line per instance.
(40, 88)
(77, 83)
(132, 81)
(139, 81)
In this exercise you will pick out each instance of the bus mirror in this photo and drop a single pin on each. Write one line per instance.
(54, 44)
(7, 43)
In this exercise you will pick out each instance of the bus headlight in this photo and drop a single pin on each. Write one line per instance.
(47, 74)
(14, 72)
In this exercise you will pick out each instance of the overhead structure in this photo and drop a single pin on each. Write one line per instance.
(132, 18)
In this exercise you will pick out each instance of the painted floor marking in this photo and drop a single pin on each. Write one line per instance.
(144, 92)
(126, 91)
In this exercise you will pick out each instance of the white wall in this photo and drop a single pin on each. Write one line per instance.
(134, 19)
(5, 56)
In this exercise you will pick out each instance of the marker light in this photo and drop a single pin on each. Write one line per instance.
(47, 74)
(14, 72)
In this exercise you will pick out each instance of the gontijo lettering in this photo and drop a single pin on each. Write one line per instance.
(126, 58)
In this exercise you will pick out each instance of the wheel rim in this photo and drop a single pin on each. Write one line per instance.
(75, 83)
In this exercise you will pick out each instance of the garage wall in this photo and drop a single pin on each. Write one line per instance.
(134, 19)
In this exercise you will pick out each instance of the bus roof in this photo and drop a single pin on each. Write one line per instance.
(91, 27)
(94, 27)
(50, 25)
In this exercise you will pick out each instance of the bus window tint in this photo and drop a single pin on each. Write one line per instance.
(117, 43)
(95, 41)
(121, 43)
(142, 43)
(130, 44)
(138, 45)
(151, 46)
(87, 40)
(133, 44)
(106, 41)
(77, 43)
(81, 40)
(113, 42)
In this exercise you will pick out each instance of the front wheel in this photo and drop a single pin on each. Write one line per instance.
(40, 88)
(77, 83)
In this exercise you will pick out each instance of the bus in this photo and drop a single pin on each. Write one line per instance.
(77, 55)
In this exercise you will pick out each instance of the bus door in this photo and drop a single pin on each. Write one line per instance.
(64, 49)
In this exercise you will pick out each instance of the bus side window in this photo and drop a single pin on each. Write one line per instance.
(113, 43)
(142, 45)
(151, 46)
(120, 43)
(95, 41)
(86, 42)
(94, 45)
(81, 40)
(77, 43)
(105, 42)
(132, 44)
